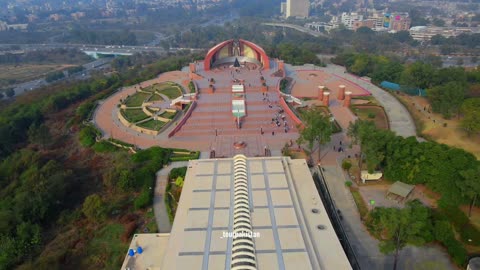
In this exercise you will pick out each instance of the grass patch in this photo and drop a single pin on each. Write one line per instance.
(156, 97)
(172, 92)
(169, 115)
(371, 113)
(13, 73)
(194, 155)
(105, 146)
(169, 89)
(136, 99)
(107, 248)
(152, 124)
(191, 86)
(134, 115)
(361, 205)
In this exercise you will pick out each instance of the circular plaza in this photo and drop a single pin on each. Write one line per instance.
(230, 103)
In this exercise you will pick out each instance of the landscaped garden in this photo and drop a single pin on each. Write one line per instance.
(169, 89)
(152, 124)
(372, 113)
(136, 100)
(155, 97)
(169, 115)
(134, 115)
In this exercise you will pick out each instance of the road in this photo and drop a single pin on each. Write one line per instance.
(31, 85)
(298, 28)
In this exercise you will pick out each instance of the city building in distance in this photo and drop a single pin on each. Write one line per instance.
(297, 8)
(246, 213)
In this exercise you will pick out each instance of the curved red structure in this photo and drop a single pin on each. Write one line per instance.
(260, 54)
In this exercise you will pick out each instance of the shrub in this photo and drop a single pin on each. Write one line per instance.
(144, 199)
(371, 115)
(176, 172)
(348, 183)
(346, 165)
(456, 251)
(87, 136)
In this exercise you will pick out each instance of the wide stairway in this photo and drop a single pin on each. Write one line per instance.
(213, 116)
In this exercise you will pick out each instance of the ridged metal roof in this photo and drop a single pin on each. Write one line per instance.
(243, 248)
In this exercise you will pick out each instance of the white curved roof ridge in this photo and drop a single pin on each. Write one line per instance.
(243, 250)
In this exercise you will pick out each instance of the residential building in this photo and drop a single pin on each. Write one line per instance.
(348, 19)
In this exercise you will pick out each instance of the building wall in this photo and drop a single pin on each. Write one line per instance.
(297, 8)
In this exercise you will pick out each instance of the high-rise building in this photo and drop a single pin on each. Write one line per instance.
(283, 8)
(297, 8)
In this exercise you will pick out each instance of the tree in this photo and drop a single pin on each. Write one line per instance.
(438, 22)
(93, 207)
(447, 99)
(399, 227)
(39, 134)
(357, 131)
(471, 185)
(318, 128)
(346, 165)
(471, 115)
(418, 74)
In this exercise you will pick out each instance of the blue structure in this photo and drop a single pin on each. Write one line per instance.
(390, 85)
(407, 90)
(139, 250)
(131, 252)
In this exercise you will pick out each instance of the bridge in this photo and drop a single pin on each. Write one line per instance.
(98, 53)
(298, 28)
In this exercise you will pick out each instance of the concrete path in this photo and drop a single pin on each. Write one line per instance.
(365, 246)
(159, 207)
(401, 122)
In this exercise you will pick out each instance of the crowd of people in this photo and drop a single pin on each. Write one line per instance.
(279, 118)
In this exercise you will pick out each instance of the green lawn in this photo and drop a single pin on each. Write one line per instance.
(172, 92)
(361, 205)
(152, 124)
(134, 115)
(371, 113)
(150, 88)
(155, 97)
(169, 115)
(107, 246)
(191, 86)
(136, 99)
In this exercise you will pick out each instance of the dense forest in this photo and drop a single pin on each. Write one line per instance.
(58, 185)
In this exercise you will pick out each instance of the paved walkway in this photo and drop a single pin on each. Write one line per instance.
(159, 207)
(401, 122)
